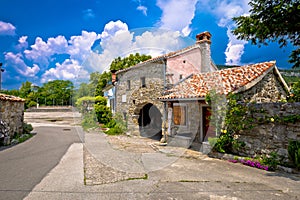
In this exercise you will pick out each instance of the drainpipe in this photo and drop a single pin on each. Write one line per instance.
(165, 103)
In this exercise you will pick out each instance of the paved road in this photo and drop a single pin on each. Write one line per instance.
(50, 166)
(25, 165)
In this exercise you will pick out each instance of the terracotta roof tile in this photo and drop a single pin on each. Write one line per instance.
(5, 97)
(223, 81)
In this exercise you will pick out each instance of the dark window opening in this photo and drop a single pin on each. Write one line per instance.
(128, 84)
(143, 82)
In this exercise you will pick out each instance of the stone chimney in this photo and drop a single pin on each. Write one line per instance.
(113, 76)
(203, 40)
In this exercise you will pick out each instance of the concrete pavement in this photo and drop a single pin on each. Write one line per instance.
(114, 167)
(202, 178)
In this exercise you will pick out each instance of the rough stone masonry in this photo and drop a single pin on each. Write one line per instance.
(11, 117)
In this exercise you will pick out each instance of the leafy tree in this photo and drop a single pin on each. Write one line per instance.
(57, 92)
(25, 89)
(272, 20)
(83, 90)
(123, 63)
(104, 79)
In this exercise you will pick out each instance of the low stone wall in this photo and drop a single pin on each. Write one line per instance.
(11, 115)
(275, 125)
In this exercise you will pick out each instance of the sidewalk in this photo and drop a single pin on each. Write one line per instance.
(121, 167)
(124, 157)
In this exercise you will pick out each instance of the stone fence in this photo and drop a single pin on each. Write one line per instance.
(275, 125)
(11, 117)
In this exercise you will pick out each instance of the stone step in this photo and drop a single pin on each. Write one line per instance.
(180, 141)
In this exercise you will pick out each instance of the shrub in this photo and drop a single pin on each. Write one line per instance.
(89, 121)
(83, 102)
(103, 114)
(224, 143)
(116, 130)
(117, 125)
(30, 104)
(294, 152)
(271, 160)
(27, 128)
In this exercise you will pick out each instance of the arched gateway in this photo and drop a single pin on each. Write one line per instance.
(150, 120)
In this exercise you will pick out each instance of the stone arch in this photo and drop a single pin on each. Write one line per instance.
(138, 100)
(150, 120)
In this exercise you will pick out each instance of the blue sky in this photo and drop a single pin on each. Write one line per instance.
(61, 39)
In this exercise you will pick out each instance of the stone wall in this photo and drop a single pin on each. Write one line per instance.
(275, 125)
(269, 89)
(12, 114)
(129, 101)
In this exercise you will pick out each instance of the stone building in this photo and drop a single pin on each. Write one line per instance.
(189, 114)
(137, 88)
(11, 116)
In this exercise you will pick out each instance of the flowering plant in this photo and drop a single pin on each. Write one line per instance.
(251, 163)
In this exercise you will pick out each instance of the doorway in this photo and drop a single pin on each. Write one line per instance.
(150, 121)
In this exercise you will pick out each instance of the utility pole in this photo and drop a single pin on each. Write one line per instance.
(1, 70)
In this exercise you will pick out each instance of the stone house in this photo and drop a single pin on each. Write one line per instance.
(11, 116)
(188, 112)
(138, 88)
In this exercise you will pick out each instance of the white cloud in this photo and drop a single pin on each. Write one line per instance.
(88, 14)
(17, 62)
(68, 70)
(80, 46)
(81, 59)
(41, 51)
(7, 28)
(112, 28)
(177, 15)
(234, 50)
(143, 9)
(166, 41)
(23, 44)
(117, 40)
(225, 10)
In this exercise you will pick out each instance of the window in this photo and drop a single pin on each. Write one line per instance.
(180, 76)
(143, 82)
(180, 114)
(123, 98)
(128, 84)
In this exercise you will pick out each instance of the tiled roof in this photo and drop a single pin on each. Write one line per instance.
(223, 81)
(5, 97)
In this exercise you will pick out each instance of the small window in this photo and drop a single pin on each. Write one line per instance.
(128, 84)
(143, 82)
(180, 76)
(179, 112)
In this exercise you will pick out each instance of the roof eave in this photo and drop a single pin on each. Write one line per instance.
(183, 99)
(254, 82)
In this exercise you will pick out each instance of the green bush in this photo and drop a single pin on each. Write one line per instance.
(30, 104)
(27, 128)
(89, 121)
(294, 152)
(224, 143)
(271, 161)
(111, 124)
(81, 102)
(116, 130)
(212, 141)
(117, 125)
